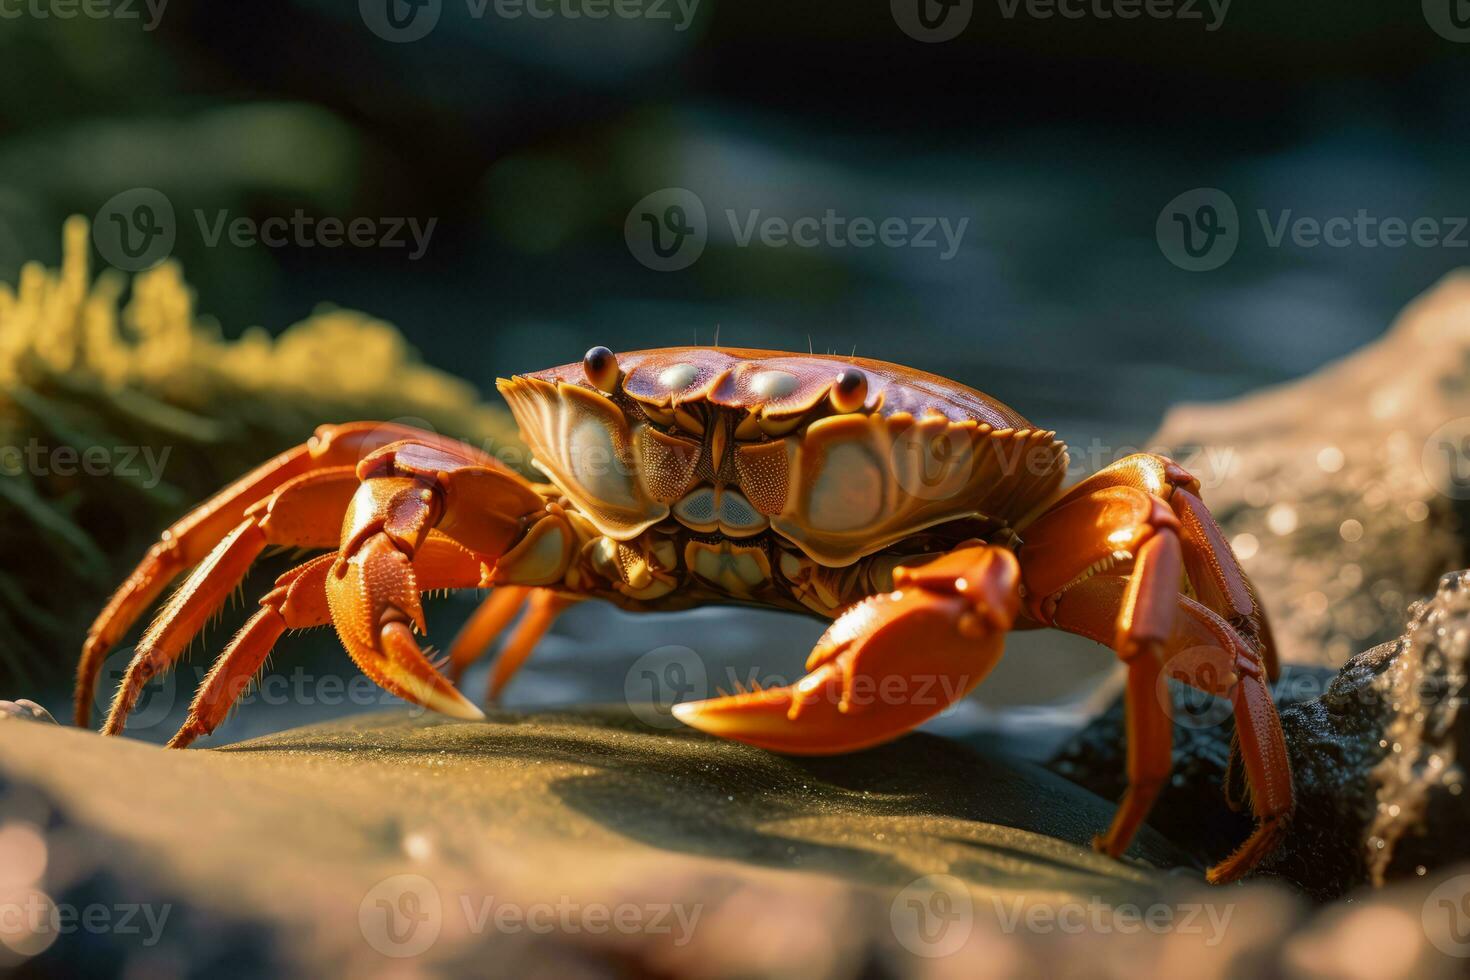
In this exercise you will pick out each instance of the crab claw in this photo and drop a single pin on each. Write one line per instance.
(885, 665)
(375, 605)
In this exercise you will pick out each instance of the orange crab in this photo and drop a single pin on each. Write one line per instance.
(924, 518)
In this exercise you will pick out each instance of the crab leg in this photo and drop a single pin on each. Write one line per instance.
(488, 621)
(1221, 662)
(299, 601)
(1214, 571)
(541, 611)
(193, 537)
(301, 513)
(1087, 536)
(886, 664)
(491, 618)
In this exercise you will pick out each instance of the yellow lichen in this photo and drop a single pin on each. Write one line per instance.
(81, 371)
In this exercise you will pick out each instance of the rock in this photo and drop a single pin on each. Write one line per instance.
(1373, 752)
(1345, 493)
(294, 838)
(589, 844)
(24, 710)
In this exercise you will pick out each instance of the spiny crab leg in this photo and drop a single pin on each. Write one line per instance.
(193, 537)
(886, 664)
(408, 489)
(300, 514)
(298, 601)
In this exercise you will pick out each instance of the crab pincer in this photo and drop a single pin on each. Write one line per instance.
(888, 663)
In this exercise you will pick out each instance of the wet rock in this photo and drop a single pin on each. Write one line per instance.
(1374, 751)
(1345, 493)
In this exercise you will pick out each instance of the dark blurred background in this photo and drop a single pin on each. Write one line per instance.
(531, 144)
(528, 141)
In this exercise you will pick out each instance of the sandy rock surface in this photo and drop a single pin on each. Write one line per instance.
(294, 835)
(1345, 492)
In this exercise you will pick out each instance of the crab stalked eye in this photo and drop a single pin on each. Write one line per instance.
(601, 366)
(850, 390)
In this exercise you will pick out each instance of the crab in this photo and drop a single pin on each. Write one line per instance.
(923, 518)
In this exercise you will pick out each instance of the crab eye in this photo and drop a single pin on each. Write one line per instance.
(850, 390)
(601, 366)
